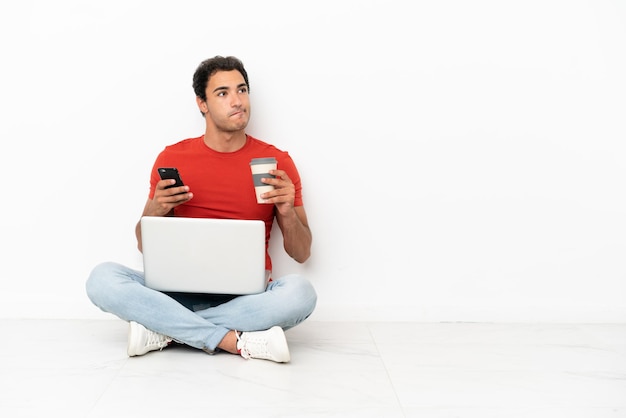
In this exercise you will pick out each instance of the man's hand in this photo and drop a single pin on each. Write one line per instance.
(291, 220)
(284, 192)
(163, 202)
(166, 199)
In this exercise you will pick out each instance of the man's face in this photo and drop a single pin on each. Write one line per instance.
(227, 102)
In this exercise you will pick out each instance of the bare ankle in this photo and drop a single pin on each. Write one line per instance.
(229, 342)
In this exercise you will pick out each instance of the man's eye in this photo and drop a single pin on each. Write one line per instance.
(221, 93)
(243, 90)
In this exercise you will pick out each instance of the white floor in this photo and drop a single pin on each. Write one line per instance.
(79, 368)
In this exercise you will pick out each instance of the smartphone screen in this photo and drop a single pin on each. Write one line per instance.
(170, 173)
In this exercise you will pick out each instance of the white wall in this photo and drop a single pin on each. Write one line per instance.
(462, 160)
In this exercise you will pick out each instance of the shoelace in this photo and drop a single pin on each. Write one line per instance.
(156, 339)
(253, 347)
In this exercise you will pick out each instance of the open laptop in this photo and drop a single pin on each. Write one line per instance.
(200, 255)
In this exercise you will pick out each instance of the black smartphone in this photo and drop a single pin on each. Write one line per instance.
(170, 173)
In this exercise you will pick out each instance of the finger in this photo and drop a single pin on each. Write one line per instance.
(172, 191)
(164, 184)
(285, 193)
(279, 181)
(280, 174)
(171, 202)
(180, 198)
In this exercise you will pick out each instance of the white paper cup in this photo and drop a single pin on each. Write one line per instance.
(260, 168)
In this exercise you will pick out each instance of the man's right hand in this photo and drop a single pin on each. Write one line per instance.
(166, 199)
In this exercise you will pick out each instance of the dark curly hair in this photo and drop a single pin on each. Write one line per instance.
(210, 66)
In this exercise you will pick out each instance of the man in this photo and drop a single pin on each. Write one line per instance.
(215, 168)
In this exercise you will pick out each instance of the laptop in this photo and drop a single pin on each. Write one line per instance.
(200, 255)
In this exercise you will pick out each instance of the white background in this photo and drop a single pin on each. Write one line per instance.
(461, 160)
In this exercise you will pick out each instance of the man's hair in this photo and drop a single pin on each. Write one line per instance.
(210, 66)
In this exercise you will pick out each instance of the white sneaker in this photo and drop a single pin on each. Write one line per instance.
(267, 345)
(141, 340)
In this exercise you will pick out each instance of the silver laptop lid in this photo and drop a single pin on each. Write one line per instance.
(200, 255)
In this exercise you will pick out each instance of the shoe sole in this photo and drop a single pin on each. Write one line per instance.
(133, 330)
(284, 356)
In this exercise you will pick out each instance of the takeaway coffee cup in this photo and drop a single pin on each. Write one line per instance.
(260, 168)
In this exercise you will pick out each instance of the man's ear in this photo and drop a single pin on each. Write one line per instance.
(202, 105)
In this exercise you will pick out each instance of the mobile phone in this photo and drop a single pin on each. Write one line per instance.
(170, 173)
